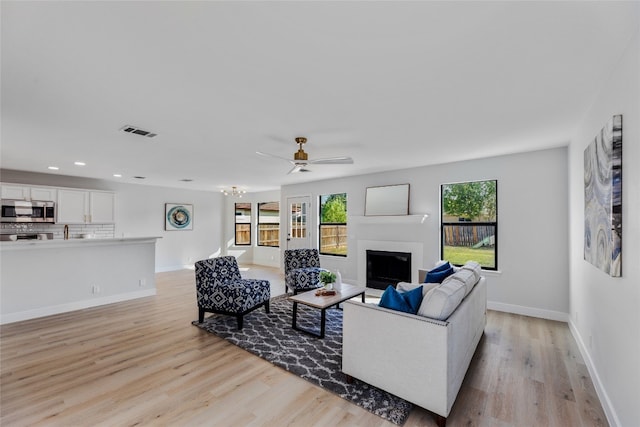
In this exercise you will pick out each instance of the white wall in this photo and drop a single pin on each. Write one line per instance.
(140, 210)
(255, 254)
(140, 213)
(533, 272)
(605, 311)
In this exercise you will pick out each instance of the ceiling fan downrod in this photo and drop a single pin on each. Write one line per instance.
(300, 154)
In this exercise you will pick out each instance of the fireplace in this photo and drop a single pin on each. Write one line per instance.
(386, 268)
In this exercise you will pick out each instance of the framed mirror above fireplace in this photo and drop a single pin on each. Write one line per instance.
(387, 200)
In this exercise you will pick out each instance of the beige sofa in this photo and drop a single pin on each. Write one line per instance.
(417, 358)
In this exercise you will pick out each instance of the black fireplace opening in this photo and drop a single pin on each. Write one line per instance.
(387, 268)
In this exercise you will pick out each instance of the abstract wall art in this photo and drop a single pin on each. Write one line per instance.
(178, 217)
(603, 199)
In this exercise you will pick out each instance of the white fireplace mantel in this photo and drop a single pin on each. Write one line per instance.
(389, 219)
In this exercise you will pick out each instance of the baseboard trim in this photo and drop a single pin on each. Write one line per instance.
(607, 406)
(528, 311)
(73, 306)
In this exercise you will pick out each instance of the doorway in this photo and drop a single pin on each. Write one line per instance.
(298, 236)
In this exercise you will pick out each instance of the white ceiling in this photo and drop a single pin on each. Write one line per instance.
(391, 84)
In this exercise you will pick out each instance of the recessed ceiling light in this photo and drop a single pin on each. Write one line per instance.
(117, 175)
(79, 163)
(186, 180)
(140, 177)
(53, 168)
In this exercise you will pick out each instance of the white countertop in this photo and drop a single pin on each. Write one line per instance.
(61, 243)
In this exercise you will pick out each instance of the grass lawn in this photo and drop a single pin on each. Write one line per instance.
(460, 254)
(332, 250)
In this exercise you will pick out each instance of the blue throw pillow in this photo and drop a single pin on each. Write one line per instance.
(441, 267)
(409, 302)
(414, 298)
(438, 276)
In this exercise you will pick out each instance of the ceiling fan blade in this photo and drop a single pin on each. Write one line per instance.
(332, 161)
(274, 156)
(296, 168)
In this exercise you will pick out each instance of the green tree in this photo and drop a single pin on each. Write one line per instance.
(334, 208)
(490, 201)
(469, 200)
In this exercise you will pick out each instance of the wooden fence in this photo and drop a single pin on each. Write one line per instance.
(269, 235)
(243, 234)
(333, 239)
(469, 235)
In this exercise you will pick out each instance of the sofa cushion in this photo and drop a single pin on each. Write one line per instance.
(408, 302)
(468, 275)
(473, 266)
(406, 286)
(441, 301)
(438, 276)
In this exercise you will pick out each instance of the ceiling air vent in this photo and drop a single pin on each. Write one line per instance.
(138, 131)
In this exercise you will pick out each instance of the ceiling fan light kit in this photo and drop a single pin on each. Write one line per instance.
(301, 158)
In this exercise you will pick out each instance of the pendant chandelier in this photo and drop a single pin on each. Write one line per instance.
(234, 192)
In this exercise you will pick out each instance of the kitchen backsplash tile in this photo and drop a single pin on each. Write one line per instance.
(99, 231)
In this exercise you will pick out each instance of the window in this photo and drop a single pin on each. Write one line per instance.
(243, 224)
(298, 220)
(469, 223)
(333, 224)
(269, 224)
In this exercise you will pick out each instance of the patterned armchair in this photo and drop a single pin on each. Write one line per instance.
(301, 269)
(221, 289)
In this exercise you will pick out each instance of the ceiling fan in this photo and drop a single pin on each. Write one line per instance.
(301, 158)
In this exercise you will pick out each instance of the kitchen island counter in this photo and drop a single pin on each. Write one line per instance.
(78, 242)
(44, 277)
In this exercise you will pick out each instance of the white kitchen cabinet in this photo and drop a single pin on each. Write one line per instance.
(83, 207)
(15, 192)
(73, 206)
(25, 192)
(44, 194)
(102, 206)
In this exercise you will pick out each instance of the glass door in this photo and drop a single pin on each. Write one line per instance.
(297, 225)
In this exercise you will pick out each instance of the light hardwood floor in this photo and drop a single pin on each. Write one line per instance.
(141, 362)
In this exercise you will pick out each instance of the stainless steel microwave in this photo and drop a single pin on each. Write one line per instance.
(28, 211)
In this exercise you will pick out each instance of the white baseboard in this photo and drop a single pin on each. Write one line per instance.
(528, 311)
(607, 406)
(73, 306)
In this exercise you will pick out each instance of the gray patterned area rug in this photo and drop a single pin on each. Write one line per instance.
(318, 361)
